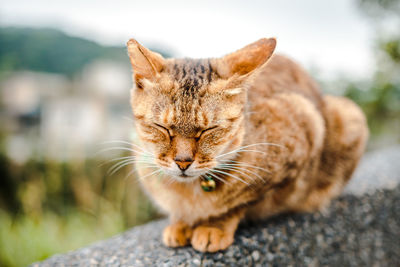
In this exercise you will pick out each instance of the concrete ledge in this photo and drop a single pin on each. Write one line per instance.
(361, 228)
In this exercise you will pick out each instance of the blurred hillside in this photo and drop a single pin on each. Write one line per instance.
(52, 51)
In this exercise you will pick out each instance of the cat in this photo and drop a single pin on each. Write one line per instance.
(242, 137)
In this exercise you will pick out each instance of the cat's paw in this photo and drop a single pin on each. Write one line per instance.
(177, 235)
(211, 239)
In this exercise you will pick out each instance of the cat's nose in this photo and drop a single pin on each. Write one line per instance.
(183, 164)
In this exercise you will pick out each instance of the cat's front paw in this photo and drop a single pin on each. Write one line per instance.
(177, 235)
(211, 239)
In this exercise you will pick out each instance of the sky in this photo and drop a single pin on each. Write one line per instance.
(332, 37)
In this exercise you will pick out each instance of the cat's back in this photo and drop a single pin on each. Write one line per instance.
(283, 75)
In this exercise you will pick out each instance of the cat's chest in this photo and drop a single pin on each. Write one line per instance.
(184, 201)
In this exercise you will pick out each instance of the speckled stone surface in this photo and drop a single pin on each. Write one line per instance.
(361, 228)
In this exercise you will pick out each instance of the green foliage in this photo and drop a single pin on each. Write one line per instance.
(381, 105)
(57, 207)
(392, 49)
(29, 238)
(379, 97)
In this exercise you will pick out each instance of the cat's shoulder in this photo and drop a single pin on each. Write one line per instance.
(282, 74)
(283, 63)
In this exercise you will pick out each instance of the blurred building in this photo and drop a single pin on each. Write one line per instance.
(48, 115)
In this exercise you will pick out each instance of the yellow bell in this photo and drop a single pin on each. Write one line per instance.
(208, 184)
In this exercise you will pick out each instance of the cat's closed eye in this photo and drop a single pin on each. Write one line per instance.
(164, 130)
(203, 132)
(170, 133)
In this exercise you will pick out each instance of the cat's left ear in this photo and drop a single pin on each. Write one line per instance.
(247, 59)
(145, 63)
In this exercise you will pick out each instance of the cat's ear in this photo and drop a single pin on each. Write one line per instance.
(247, 59)
(145, 63)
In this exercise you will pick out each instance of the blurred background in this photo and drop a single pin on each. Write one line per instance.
(64, 97)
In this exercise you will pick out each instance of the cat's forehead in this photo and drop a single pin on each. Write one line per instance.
(187, 113)
(188, 100)
(191, 75)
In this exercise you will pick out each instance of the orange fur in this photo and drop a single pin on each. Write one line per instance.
(256, 123)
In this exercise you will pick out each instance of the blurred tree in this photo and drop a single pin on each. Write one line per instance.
(8, 187)
(380, 7)
(380, 97)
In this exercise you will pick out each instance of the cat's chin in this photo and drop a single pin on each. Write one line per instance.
(185, 179)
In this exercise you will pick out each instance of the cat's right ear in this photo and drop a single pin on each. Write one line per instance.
(145, 63)
(247, 59)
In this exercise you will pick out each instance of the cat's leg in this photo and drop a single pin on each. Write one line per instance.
(217, 234)
(177, 234)
(346, 137)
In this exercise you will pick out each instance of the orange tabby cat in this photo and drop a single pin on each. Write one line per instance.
(245, 136)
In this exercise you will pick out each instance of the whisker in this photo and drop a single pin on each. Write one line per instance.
(159, 170)
(120, 148)
(250, 112)
(238, 163)
(240, 150)
(130, 173)
(145, 150)
(265, 143)
(120, 162)
(127, 143)
(209, 172)
(120, 158)
(252, 150)
(246, 146)
(116, 141)
(126, 162)
(238, 169)
(243, 171)
(136, 169)
(170, 180)
(118, 166)
(233, 176)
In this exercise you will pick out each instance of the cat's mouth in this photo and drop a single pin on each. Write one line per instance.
(190, 174)
(183, 175)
